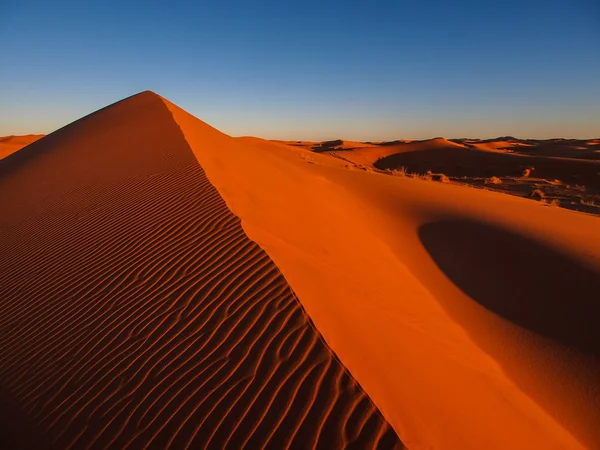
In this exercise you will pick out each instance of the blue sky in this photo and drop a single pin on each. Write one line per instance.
(313, 70)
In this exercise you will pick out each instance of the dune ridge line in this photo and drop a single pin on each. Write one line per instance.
(136, 313)
(444, 368)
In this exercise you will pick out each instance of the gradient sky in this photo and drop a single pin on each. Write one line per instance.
(313, 70)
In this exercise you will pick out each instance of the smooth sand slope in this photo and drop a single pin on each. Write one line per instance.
(10, 144)
(468, 316)
(136, 313)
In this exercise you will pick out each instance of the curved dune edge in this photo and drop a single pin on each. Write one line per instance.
(445, 372)
(11, 144)
(136, 313)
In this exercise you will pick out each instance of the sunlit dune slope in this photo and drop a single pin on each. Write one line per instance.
(10, 144)
(136, 313)
(507, 358)
(137, 310)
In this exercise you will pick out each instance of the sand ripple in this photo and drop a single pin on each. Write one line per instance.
(135, 312)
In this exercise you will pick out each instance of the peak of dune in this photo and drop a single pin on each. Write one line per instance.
(144, 107)
(174, 287)
(121, 259)
(134, 97)
(147, 92)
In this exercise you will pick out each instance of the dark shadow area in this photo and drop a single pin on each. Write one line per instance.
(17, 431)
(519, 279)
(466, 162)
(558, 147)
(327, 145)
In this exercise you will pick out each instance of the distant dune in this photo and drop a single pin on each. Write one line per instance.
(560, 172)
(165, 284)
(10, 144)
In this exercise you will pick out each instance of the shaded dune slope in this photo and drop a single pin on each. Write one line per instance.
(515, 283)
(399, 277)
(136, 313)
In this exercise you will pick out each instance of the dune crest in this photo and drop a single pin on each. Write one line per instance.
(136, 313)
(445, 371)
(165, 284)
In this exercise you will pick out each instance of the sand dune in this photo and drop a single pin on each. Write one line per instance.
(136, 313)
(562, 148)
(10, 144)
(144, 301)
(336, 144)
(447, 370)
(468, 162)
(561, 172)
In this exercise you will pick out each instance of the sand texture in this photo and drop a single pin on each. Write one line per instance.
(136, 313)
(167, 285)
(399, 275)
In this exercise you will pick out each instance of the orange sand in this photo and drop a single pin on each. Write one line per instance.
(467, 316)
(10, 144)
(136, 313)
(365, 254)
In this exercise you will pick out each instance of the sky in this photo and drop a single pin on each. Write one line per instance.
(311, 70)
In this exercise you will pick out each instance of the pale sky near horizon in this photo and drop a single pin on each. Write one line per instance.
(311, 70)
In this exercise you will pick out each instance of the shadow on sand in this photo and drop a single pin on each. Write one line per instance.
(519, 279)
(17, 431)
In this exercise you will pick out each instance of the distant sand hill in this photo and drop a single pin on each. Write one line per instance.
(556, 172)
(167, 285)
(10, 144)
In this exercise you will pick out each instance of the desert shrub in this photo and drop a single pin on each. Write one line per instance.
(537, 194)
(528, 171)
(493, 180)
(439, 177)
(401, 172)
(553, 202)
